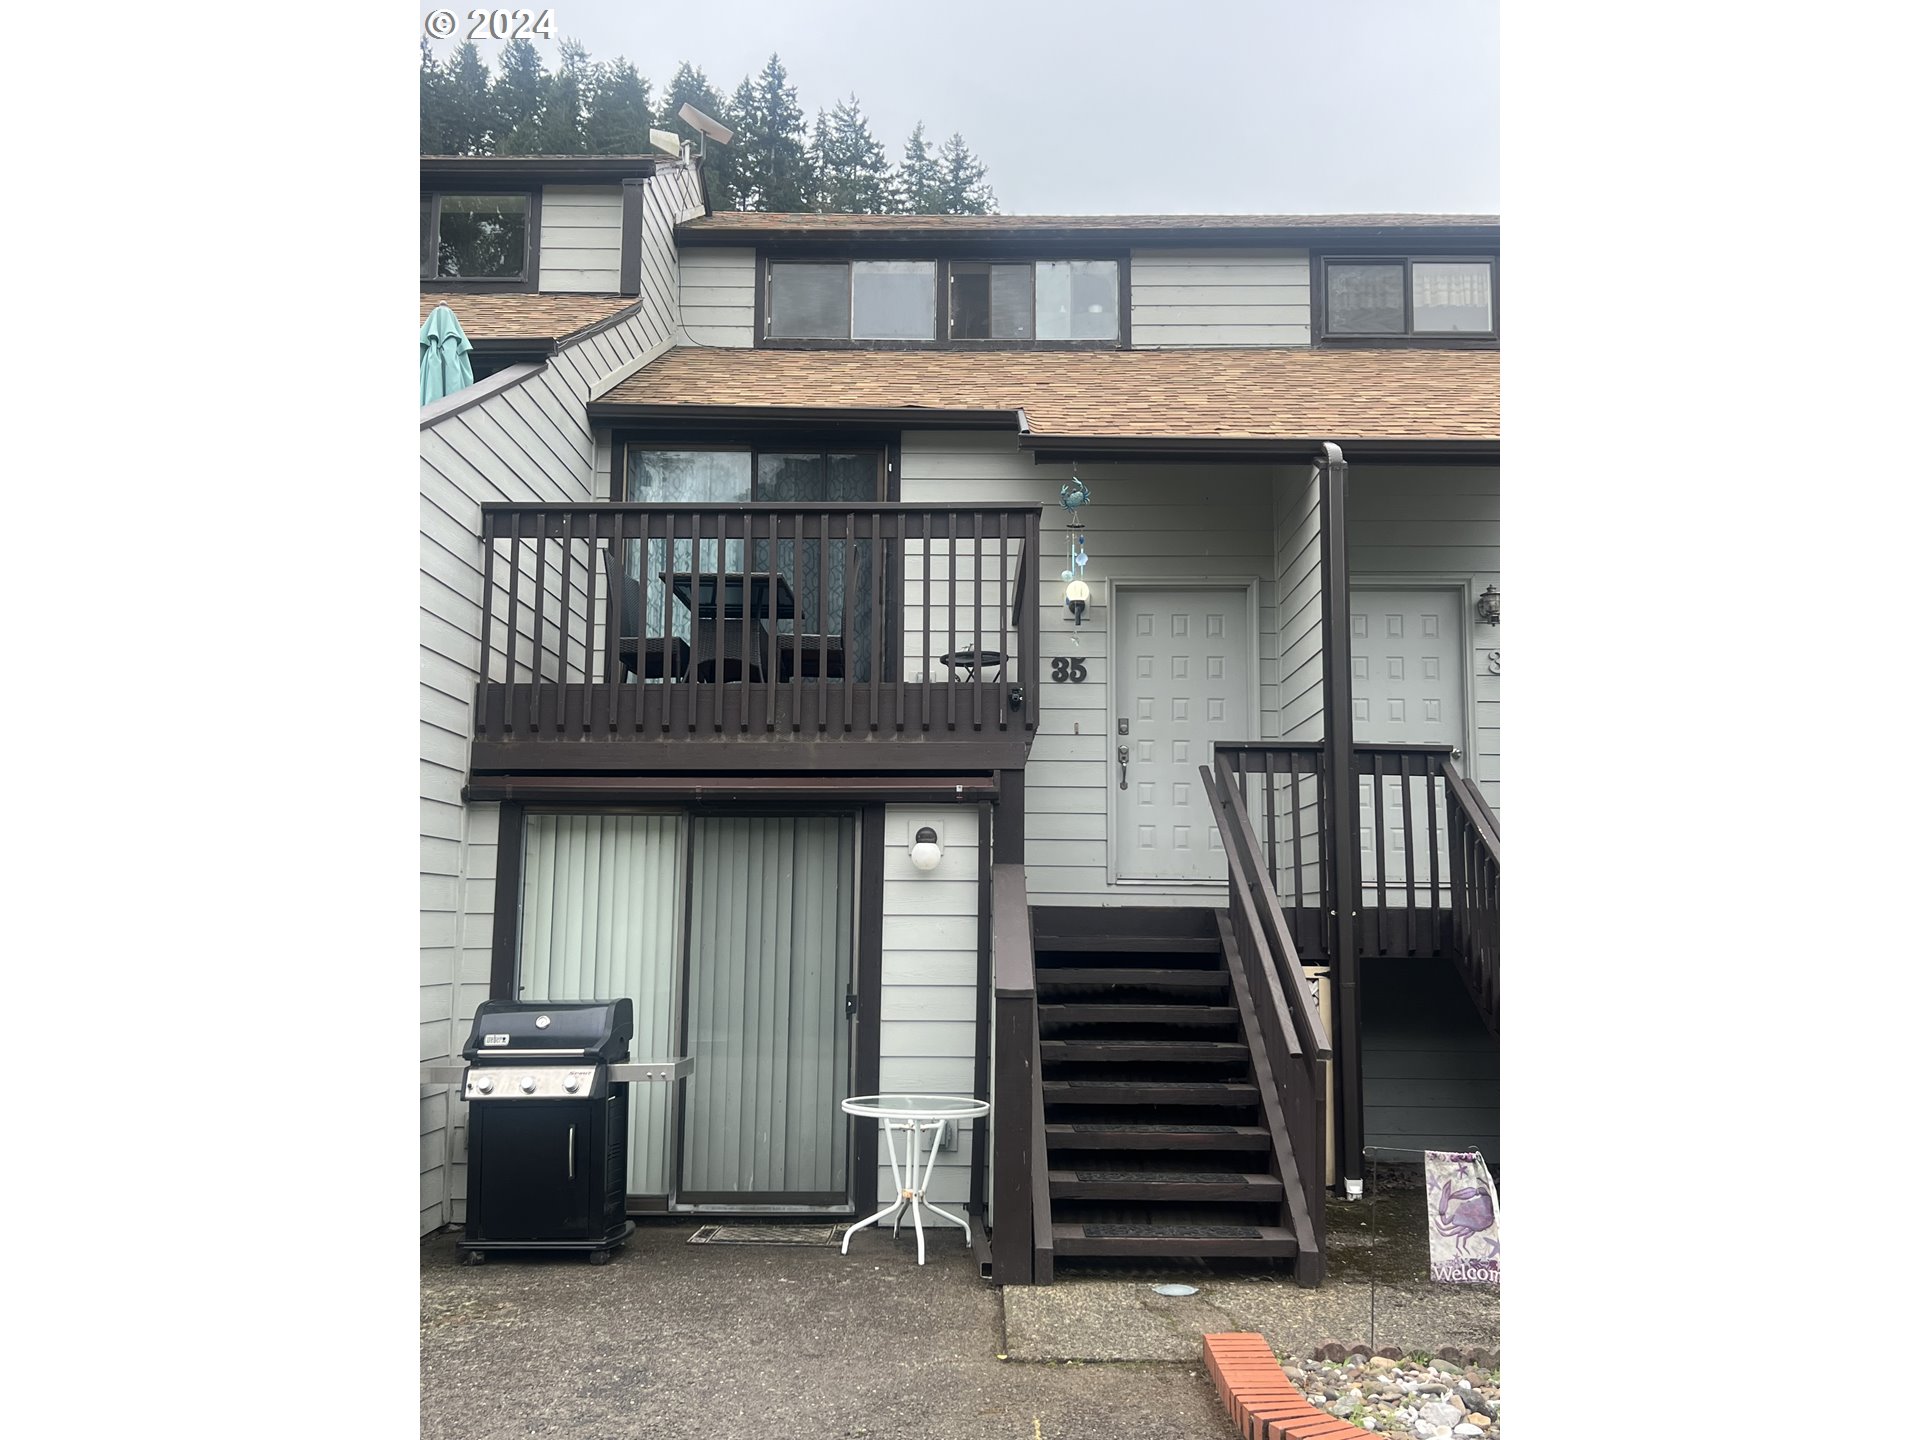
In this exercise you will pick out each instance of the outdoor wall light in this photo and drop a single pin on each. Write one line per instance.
(925, 853)
(1487, 607)
(1078, 594)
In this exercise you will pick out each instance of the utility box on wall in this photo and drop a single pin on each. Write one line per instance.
(1320, 986)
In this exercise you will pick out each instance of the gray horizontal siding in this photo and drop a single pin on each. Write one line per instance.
(580, 238)
(1217, 298)
(1430, 1072)
(716, 297)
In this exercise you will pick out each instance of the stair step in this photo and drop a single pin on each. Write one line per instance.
(1125, 944)
(1215, 1051)
(1108, 1014)
(1248, 1189)
(1168, 1240)
(1113, 1135)
(1148, 1092)
(1142, 979)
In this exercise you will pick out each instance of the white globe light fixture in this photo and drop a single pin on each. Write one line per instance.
(925, 853)
(1078, 594)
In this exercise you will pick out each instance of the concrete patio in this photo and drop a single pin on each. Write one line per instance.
(673, 1340)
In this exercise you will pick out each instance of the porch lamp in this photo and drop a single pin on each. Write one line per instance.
(925, 853)
(1078, 594)
(1487, 607)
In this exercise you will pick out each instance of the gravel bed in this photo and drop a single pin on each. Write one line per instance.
(1421, 1396)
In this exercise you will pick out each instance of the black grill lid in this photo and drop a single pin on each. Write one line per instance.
(511, 1029)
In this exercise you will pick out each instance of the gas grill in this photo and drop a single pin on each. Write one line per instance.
(546, 1089)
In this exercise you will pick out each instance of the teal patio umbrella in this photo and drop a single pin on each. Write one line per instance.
(444, 367)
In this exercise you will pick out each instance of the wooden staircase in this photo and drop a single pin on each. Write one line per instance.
(1158, 1118)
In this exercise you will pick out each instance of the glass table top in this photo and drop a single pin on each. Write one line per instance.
(914, 1107)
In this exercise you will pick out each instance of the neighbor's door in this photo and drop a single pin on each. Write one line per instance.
(1180, 683)
(1409, 687)
(770, 929)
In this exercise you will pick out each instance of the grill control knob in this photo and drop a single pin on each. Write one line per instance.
(572, 1083)
(484, 1084)
(527, 1083)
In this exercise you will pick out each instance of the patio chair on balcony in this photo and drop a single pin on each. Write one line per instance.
(802, 653)
(649, 657)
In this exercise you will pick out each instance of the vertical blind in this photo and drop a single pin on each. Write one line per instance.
(770, 959)
(599, 919)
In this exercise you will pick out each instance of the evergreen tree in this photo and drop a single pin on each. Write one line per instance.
(918, 184)
(562, 128)
(470, 119)
(516, 93)
(435, 120)
(963, 181)
(821, 164)
(773, 160)
(619, 120)
(851, 169)
(690, 87)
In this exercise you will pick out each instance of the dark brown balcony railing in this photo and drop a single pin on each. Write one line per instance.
(813, 620)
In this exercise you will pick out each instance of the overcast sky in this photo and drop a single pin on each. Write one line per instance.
(1123, 106)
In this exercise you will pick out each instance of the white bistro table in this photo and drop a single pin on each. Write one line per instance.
(916, 1115)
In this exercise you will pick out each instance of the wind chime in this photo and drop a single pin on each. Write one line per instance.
(1074, 496)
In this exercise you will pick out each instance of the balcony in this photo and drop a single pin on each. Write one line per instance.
(774, 637)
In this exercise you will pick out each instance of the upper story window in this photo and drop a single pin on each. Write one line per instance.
(486, 238)
(935, 302)
(1394, 298)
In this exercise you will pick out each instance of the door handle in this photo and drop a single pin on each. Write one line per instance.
(1125, 754)
(570, 1130)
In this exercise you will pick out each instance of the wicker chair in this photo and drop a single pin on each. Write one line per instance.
(801, 653)
(654, 658)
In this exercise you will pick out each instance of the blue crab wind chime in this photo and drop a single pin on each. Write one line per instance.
(1075, 496)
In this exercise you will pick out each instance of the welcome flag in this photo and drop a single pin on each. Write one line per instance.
(1463, 1218)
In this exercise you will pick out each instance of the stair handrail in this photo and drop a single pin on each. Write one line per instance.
(1022, 1205)
(1243, 843)
(1282, 1022)
(1473, 833)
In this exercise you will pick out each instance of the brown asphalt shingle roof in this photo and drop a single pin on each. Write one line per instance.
(1293, 394)
(754, 222)
(527, 317)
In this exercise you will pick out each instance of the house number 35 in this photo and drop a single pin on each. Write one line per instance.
(1069, 669)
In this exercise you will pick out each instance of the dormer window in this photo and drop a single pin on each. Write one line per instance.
(485, 239)
(1408, 298)
(962, 303)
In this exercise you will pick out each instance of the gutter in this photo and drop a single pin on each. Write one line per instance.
(903, 417)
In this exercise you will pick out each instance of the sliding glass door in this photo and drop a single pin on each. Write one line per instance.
(734, 938)
(769, 967)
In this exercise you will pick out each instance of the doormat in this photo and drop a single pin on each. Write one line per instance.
(768, 1235)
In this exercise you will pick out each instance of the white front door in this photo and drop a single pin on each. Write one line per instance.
(1409, 687)
(1180, 683)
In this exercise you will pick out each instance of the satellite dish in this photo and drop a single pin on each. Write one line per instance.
(711, 128)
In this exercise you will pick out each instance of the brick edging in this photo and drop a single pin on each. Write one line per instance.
(1264, 1404)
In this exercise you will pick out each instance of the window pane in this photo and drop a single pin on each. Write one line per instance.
(970, 301)
(426, 235)
(483, 237)
(666, 477)
(1078, 300)
(1013, 302)
(893, 299)
(1452, 296)
(801, 478)
(808, 302)
(1366, 300)
(1053, 299)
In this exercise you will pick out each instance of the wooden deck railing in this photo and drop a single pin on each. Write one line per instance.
(813, 620)
(1404, 849)
(1473, 838)
(1290, 1046)
(1022, 1204)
